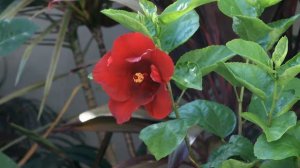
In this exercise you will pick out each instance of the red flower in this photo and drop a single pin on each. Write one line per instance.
(134, 74)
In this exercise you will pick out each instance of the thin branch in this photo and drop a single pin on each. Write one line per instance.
(66, 106)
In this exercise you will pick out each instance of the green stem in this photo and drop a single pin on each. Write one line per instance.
(180, 97)
(191, 155)
(240, 98)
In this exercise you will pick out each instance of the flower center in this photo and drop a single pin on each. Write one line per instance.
(138, 77)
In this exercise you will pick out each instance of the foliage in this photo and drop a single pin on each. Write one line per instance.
(259, 65)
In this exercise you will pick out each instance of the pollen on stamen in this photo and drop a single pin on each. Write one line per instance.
(138, 77)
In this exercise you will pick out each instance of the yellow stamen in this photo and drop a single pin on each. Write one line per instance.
(138, 77)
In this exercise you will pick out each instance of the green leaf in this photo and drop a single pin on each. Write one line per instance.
(176, 33)
(13, 33)
(239, 7)
(294, 85)
(130, 20)
(150, 18)
(13, 9)
(279, 125)
(35, 137)
(295, 61)
(206, 58)
(287, 146)
(148, 7)
(261, 108)
(25, 90)
(289, 70)
(188, 76)
(163, 138)
(237, 146)
(253, 29)
(267, 3)
(251, 76)
(28, 50)
(280, 26)
(252, 51)
(7, 162)
(231, 163)
(289, 74)
(179, 8)
(280, 51)
(288, 163)
(55, 57)
(210, 116)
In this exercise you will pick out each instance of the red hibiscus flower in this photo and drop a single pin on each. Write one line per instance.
(134, 74)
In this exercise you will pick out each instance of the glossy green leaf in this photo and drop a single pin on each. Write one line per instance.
(267, 3)
(289, 70)
(176, 33)
(130, 20)
(279, 124)
(13, 33)
(288, 163)
(150, 18)
(252, 51)
(280, 26)
(251, 76)
(7, 162)
(237, 146)
(207, 58)
(179, 8)
(210, 116)
(253, 29)
(55, 57)
(148, 7)
(280, 51)
(289, 74)
(240, 7)
(163, 138)
(261, 108)
(188, 76)
(295, 61)
(287, 146)
(231, 163)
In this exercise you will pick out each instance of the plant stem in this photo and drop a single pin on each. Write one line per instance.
(240, 98)
(191, 155)
(180, 97)
(64, 109)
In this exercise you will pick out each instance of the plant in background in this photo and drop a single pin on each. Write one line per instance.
(137, 72)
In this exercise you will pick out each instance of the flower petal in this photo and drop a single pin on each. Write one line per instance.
(163, 63)
(155, 76)
(122, 111)
(161, 106)
(114, 82)
(131, 45)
